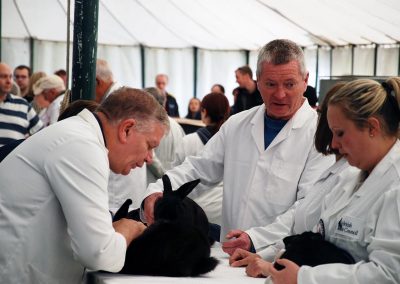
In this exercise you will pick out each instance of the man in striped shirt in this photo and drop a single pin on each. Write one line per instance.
(18, 119)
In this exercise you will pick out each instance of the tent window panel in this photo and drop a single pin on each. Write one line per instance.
(310, 55)
(388, 61)
(178, 65)
(219, 67)
(364, 60)
(125, 63)
(324, 65)
(341, 61)
(253, 55)
(15, 51)
(50, 56)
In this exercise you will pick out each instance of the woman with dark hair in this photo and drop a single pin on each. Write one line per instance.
(194, 109)
(214, 112)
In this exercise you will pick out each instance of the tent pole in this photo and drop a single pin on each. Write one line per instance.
(195, 53)
(352, 58)
(32, 52)
(143, 65)
(317, 68)
(376, 59)
(398, 67)
(330, 62)
(84, 49)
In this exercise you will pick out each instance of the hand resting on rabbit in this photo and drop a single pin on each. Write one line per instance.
(177, 243)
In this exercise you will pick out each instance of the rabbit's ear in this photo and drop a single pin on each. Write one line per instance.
(187, 188)
(123, 210)
(167, 184)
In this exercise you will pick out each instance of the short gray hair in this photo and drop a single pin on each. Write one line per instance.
(156, 94)
(281, 51)
(125, 103)
(103, 71)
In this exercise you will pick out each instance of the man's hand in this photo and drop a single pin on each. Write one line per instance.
(130, 229)
(242, 257)
(242, 240)
(288, 275)
(149, 206)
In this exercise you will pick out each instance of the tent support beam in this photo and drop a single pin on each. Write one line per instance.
(84, 49)
(352, 59)
(317, 68)
(143, 65)
(330, 62)
(195, 63)
(31, 53)
(398, 67)
(376, 59)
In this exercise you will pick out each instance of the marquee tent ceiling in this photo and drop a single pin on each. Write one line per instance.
(214, 24)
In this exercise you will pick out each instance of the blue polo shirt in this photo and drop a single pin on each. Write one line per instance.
(272, 127)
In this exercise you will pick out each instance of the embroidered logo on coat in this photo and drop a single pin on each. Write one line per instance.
(349, 226)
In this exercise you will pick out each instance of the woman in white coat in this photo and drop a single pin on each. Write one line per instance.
(214, 112)
(304, 214)
(362, 216)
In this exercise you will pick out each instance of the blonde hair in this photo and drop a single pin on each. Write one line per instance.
(365, 98)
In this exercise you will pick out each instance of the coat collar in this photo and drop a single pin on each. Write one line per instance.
(300, 118)
(87, 116)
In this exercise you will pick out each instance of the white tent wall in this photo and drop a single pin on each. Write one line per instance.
(218, 67)
(221, 30)
(341, 61)
(125, 63)
(388, 60)
(178, 64)
(364, 60)
(15, 51)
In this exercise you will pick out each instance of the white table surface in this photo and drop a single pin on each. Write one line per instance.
(223, 273)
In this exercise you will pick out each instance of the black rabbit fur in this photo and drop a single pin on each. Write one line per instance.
(177, 243)
(312, 249)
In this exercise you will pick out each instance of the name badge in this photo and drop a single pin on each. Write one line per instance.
(350, 227)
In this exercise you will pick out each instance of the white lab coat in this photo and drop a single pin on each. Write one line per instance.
(259, 184)
(209, 200)
(122, 187)
(54, 218)
(366, 223)
(304, 215)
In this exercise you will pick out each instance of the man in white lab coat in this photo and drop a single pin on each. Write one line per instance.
(265, 155)
(54, 219)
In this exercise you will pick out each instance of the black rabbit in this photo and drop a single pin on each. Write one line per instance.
(177, 243)
(312, 249)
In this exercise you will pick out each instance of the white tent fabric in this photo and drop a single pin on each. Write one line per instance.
(340, 37)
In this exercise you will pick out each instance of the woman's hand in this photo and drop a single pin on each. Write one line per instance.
(258, 267)
(288, 275)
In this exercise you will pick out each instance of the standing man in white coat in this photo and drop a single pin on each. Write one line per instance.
(54, 219)
(265, 155)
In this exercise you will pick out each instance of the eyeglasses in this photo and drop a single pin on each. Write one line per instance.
(20, 76)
